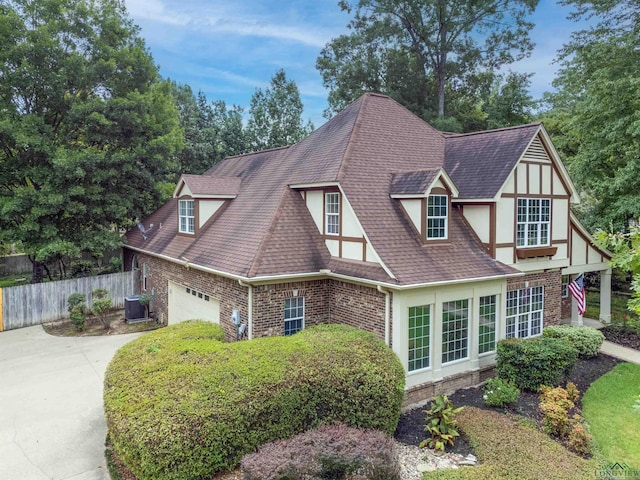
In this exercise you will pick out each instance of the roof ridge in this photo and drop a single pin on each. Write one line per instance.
(351, 141)
(493, 130)
(257, 259)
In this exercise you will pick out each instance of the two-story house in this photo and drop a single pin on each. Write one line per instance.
(440, 244)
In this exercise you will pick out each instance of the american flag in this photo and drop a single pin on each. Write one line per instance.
(577, 290)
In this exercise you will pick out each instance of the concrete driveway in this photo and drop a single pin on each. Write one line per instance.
(51, 418)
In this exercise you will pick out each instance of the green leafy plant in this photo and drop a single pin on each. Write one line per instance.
(77, 310)
(532, 362)
(586, 340)
(101, 306)
(441, 423)
(499, 392)
(145, 300)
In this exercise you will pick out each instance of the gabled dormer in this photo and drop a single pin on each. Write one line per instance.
(200, 197)
(425, 196)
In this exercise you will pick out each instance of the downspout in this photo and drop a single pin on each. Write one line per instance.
(249, 308)
(387, 313)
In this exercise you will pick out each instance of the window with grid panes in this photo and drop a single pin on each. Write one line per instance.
(332, 213)
(565, 286)
(455, 330)
(419, 337)
(437, 206)
(293, 315)
(487, 327)
(524, 312)
(186, 216)
(533, 219)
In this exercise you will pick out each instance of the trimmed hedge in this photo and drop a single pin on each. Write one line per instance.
(181, 406)
(586, 340)
(329, 451)
(533, 362)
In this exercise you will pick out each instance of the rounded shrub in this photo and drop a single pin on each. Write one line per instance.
(586, 340)
(532, 362)
(329, 451)
(180, 404)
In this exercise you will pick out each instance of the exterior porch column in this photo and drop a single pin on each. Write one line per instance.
(605, 296)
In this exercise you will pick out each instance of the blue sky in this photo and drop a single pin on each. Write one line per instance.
(229, 48)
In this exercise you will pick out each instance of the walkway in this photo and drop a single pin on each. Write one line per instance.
(51, 418)
(613, 349)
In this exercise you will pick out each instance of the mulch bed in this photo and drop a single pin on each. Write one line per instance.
(626, 339)
(411, 425)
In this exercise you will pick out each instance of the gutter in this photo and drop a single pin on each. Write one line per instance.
(322, 274)
(249, 308)
(387, 313)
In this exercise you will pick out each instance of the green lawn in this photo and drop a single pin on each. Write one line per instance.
(607, 407)
(13, 280)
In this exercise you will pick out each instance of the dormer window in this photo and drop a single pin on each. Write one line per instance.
(437, 224)
(332, 213)
(186, 216)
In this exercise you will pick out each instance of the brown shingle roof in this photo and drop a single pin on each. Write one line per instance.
(479, 163)
(411, 183)
(267, 229)
(212, 186)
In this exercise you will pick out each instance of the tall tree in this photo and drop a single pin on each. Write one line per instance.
(275, 115)
(211, 130)
(87, 132)
(439, 43)
(595, 114)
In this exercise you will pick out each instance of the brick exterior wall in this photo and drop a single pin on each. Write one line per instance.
(566, 307)
(552, 283)
(269, 300)
(358, 306)
(230, 294)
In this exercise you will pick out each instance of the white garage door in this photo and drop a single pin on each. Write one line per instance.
(186, 303)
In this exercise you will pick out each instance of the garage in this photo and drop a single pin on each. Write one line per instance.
(186, 303)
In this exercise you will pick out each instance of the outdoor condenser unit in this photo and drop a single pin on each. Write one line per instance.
(133, 309)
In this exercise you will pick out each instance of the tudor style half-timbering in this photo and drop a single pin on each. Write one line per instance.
(439, 244)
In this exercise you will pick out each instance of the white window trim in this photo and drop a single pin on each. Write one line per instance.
(186, 217)
(295, 319)
(527, 223)
(565, 286)
(529, 315)
(430, 358)
(436, 217)
(468, 337)
(328, 215)
(496, 323)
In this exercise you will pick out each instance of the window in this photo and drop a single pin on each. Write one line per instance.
(488, 317)
(533, 219)
(455, 330)
(293, 315)
(144, 277)
(186, 216)
(565, 286)
(524, 312)
(332, 212)
(437, 216)
(419, 337)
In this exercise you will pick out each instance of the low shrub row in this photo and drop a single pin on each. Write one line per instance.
(586, 340)
(532, 362)
(182, 405)
(330, 451)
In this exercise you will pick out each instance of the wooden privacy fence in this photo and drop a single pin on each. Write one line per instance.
(27, 305)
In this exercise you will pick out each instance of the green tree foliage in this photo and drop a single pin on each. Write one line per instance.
(626, 255)
(594, 117)
(211, 131)
(276, 115)
(423, 52)
(87, 130)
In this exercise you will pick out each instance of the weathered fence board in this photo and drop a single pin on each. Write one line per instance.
(27, 305)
